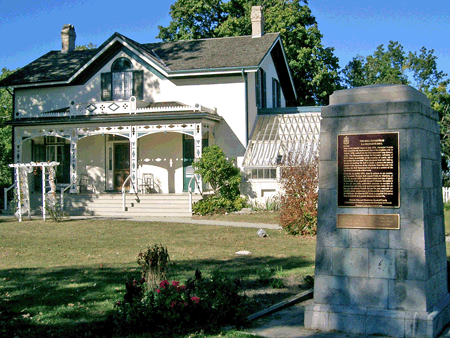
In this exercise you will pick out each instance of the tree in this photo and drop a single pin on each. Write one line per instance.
(5, 132)
(90, 45)
(314, 67)
(394, 66)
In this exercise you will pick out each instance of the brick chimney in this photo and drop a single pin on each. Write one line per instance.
(257, 22)
(68, 38)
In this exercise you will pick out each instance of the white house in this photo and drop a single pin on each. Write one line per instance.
(146, 110)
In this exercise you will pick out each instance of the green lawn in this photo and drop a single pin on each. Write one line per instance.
(62, 278)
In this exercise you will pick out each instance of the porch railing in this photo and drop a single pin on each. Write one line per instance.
(197, 182)
(63, 190)
(124, 202)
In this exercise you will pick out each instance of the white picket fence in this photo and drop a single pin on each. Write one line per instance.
(446, 194)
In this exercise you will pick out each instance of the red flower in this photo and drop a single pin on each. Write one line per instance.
(195, 299)
(158, 290)
(163, 284)
(175, 284)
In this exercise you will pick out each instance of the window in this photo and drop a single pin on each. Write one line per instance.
(122, 82)
(260, 88)
(276, 93)
(263, 173)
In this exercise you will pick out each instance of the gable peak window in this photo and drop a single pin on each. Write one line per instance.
(122, 82)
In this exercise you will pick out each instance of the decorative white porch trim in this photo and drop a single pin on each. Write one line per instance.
(133, 132)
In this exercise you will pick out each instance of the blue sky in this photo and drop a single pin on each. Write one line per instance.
(29, 29)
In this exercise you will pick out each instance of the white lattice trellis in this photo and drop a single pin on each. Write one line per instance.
(275, 136)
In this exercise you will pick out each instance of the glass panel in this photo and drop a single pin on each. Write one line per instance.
(254, 173)
(121, 64)
(260, 173)
(266, 173)
(118, 86)
(127, 85)
(273, 173)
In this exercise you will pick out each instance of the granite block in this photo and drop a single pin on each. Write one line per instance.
(411, 201)
(400, 107)
(366, 238)
(381, 263)
(391, 323)
(327, 204)
(351, 262)
(410, 236)
(427, 174)
(408, 120)
(315, 319)
(324, 261)
(416, 143)
(407, 295)
(327, 151)
(411, 174)
(328, 176)
(417, 265)
(328, 235)
(401, 264)
(331, 290)
(370, 292)
(349, 323)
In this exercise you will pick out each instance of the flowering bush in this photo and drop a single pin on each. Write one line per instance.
(298, 212)
(203, 303)
(154, 263)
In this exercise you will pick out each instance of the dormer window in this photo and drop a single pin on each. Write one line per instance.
(122, 82)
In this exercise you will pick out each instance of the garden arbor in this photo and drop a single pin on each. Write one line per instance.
(22, 188)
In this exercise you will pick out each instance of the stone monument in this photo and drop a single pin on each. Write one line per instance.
(381, 265)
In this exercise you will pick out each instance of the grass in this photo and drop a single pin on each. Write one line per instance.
(255, 217)
(62, 279)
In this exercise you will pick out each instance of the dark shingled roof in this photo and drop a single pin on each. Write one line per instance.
(173, 57)
(239, 51)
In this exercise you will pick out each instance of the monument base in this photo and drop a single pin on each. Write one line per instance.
(360, 320)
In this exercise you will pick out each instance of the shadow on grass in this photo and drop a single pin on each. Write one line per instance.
(76, 301)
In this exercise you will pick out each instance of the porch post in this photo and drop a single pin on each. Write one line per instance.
(198, 136)
(133, 159)
(73, 161)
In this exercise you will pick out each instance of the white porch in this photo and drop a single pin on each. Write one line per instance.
(98, 157)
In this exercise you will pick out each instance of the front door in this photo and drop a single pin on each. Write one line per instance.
(188, 158)
(121, 164)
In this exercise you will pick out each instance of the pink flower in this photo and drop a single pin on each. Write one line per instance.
(163, 284)
(195, 299)
(175, 284)
(174, 303)
(183, 287)
(158, 290)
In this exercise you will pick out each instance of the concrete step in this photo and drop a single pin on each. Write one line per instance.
(111, 205)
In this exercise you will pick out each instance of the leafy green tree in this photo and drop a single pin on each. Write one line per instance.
(90, 45)
(314, 67)
(5, 132)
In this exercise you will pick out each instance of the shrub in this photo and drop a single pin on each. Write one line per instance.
(216, 204)
(203, 303)
(219, 172)
(154, 263)
(224, 178)
(298, 204)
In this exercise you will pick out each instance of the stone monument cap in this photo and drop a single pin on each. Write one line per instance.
(378, 93)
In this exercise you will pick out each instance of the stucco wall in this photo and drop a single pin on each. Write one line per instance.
(91, 161)
(162, 155)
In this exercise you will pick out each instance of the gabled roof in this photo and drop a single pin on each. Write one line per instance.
(170, 58)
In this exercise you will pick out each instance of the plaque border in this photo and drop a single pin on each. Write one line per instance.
(398, 166)
(369, 228)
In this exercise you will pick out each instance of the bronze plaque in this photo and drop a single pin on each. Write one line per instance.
(368, 170)
(354, 221)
